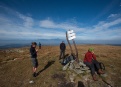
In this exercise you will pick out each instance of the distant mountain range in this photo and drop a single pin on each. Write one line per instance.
(22, 43)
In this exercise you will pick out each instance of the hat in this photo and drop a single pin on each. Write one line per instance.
(34, 43)
(91, 49)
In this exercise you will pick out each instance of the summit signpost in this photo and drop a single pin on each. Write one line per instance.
(70, 35)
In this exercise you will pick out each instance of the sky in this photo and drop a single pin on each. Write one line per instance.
(50, 19)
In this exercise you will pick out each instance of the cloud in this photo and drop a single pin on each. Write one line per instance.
(28, 21)
(24, 26)
(112, 15)
(106, 25)
(95, 32)
(47, 23)
(31, 35)
(50, 29)
(104, 30)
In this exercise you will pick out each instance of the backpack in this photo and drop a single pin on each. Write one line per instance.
(102, 66)
(67, 60)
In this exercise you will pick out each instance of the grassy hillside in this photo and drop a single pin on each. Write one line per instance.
(16, 66)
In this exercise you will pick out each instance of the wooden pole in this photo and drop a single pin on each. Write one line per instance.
(68, 42)
(77, 59)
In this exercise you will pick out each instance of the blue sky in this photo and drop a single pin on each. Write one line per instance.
(50, 19)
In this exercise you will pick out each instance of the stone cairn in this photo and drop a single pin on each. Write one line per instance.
(75, 65)
(78, 68)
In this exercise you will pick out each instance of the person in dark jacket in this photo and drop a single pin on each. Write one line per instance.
(92, 63)
(33, 52)
(39, 45)
(62, 50)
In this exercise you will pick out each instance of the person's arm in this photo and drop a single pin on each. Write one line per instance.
(36, 50)
(93, 55)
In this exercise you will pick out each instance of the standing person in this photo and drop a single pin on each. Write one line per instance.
(92, 63)
(33, 52)
(62, 50)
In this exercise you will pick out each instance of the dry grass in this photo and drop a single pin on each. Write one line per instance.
(18, 73)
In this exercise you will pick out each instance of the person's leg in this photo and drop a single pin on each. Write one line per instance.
(34, 69)
(63, 53)
(93, 72)
(96, 64)
(60, 54)
(35, 65)
(98, 67)
(91, 66)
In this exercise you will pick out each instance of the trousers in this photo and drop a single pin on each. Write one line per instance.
(62, 54)
(94, 66)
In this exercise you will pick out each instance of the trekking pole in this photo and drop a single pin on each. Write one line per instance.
(106, 83)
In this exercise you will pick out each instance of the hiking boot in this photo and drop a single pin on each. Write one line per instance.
(100, 71)
(94, 77)
(34, 74)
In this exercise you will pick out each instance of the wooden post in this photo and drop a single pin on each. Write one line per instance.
(71, 47)
(68, 42)
(77, 59)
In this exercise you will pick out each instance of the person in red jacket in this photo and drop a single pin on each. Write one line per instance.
(92, 63)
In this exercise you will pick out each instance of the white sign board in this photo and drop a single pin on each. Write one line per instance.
(70, 38)
(71, 35)
(70, 31)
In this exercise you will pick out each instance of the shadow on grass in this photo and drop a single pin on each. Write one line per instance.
(47, 66)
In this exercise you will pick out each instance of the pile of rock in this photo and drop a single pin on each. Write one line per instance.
(76, 67)
(80, 72)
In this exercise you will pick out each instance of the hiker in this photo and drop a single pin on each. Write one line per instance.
(62, 50)
(92, 63)
(33, 52)
(39, 45)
